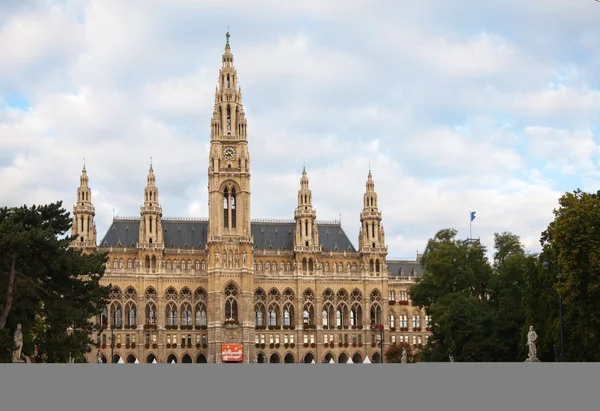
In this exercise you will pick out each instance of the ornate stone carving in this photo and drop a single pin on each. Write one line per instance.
(231, 336)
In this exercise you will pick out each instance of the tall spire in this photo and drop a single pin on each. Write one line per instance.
(229, 119)
(307, 235)
(151, 213)
(371, 236)
(83, 214)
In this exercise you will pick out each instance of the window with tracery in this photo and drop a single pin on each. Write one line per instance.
(171, 294)
(186, 294)
(171, 314)
(116, 294)
(201, 314)
(130, 313)
(151, 313)
(117, 314)
(130, 294)
(186, 315)
(231, 306)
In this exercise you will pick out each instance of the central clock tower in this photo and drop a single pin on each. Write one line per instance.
(229, 161)
(229, 242)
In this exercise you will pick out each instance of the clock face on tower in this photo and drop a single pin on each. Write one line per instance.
(229, 153)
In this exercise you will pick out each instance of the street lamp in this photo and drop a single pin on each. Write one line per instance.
(545, 266)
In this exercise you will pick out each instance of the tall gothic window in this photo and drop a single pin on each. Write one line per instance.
(226, 208)
(228, 120)
(233, 201)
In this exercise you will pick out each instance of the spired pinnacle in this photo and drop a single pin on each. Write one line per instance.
(227, 35)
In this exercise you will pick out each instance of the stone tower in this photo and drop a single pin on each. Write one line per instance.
(371, 237)
(306, 236)
(83, 215)
(151, 241)
(229, 238)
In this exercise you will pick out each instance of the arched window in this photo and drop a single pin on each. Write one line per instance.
(392, 321)
(116, 314)
(171, 314)
(228, 120)
(200, 314)
(186, 315)
(356, 315)
(306, 315)
(328, 313)
(377, 265)
(371, 266)
(259, 316)
(231, 307)
(288, 315)
(304, 264)
(130, 313)
(151, 313)
(103, 317)
(416, 320)
(273, 314)
(233, 203)
(226, 208)
(375, 315)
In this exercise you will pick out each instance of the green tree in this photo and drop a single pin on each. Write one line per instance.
(539, 302)
(454, 290)
(510, 264)
(478, 310)
(572, 241)
(45, 285)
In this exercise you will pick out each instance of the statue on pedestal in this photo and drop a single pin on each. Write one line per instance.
(18, 340)
(99, 357)
(531, 342)
(404, 358)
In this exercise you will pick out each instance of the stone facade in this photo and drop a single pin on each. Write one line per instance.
(202, 290)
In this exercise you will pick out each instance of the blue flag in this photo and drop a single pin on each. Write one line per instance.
(473, 215)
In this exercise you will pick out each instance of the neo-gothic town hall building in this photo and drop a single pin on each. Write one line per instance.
(232, 289)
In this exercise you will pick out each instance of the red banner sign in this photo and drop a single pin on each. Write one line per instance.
(232, 352)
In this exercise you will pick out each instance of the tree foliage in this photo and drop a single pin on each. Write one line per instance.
(45, 285)
(572, 242)
(475, 306)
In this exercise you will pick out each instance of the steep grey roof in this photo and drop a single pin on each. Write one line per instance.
(192, 234)
(399, 268)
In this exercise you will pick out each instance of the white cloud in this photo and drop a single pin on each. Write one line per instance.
(574, 151)
(452, 109)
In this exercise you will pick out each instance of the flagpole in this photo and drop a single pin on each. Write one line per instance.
(470, 223)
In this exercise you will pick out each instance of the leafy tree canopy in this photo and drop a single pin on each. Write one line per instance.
(45, 285)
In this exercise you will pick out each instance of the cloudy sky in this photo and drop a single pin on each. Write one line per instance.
(457, 105)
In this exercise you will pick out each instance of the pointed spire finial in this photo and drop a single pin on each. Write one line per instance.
(150, 162)
(83, 163)
(304, 165)
(227, 35)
